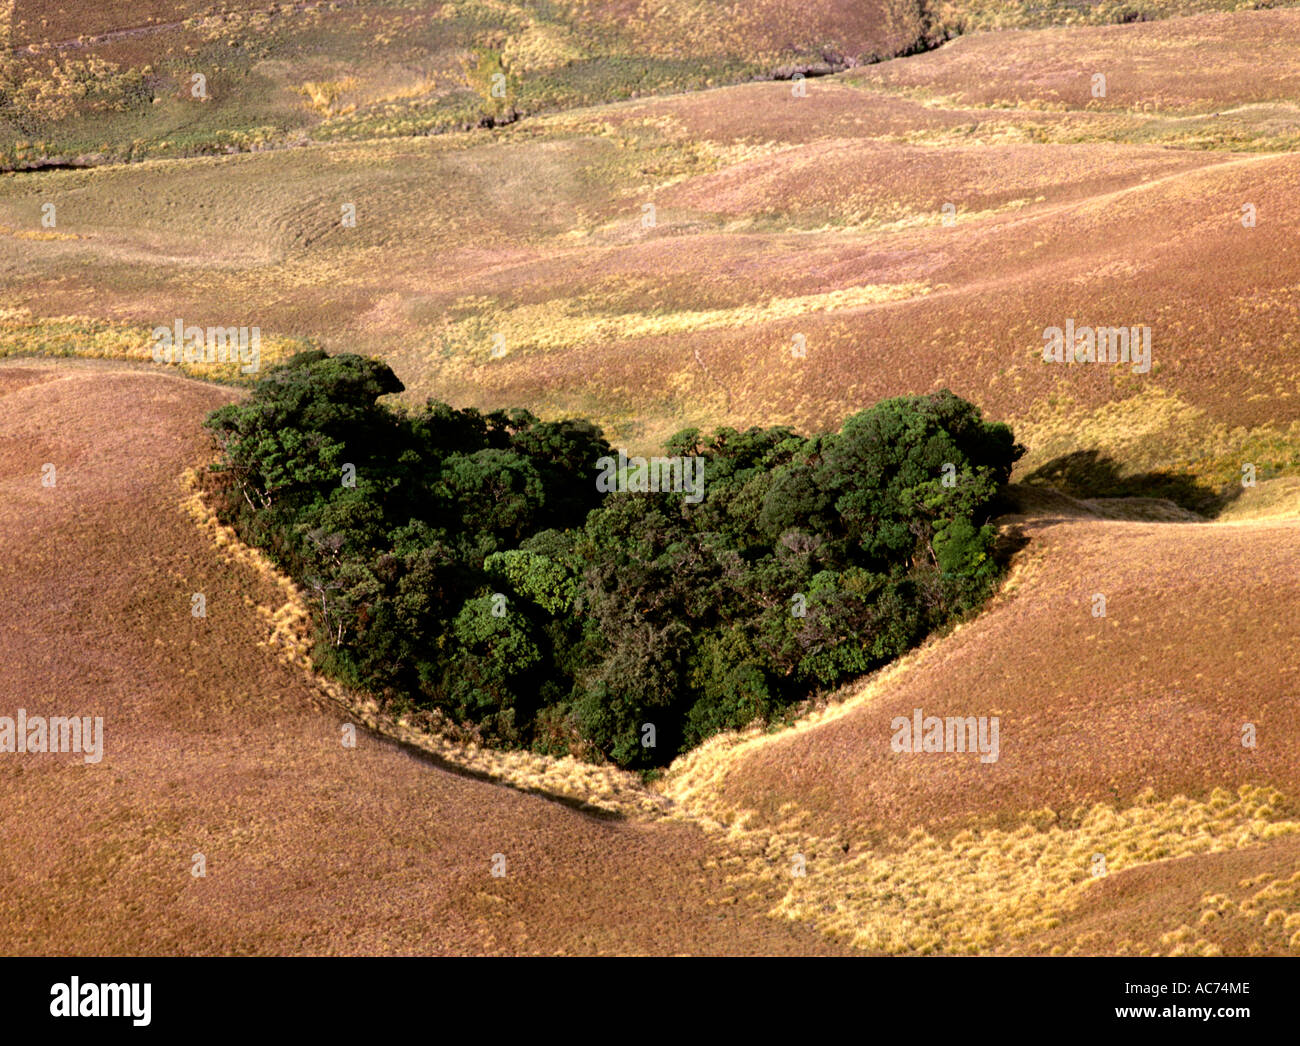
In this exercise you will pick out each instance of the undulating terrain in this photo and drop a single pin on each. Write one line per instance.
(681, 213)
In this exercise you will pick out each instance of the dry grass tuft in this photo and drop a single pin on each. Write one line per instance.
(557, 325)
(323, 96)
(24, 334)
(987, 889)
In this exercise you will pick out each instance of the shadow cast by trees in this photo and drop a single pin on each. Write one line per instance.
(1086, 474)
(1010, 540)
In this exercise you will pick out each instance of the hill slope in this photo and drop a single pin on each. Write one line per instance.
(1119, 735)
(656, 263)
(214, 746)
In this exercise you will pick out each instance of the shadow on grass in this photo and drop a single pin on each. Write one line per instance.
(433, 759)
(1009, 541)
(1086, 474)
(326, 702)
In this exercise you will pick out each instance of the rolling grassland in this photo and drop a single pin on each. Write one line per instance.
(1120, 737)
(655, 227)
(656, 263)
(214, 744)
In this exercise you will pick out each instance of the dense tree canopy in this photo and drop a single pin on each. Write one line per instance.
(470, 562)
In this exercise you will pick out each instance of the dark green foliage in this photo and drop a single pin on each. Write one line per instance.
(475, 567)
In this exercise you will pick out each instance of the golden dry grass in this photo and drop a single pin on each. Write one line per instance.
(85, 337)
(555, 326)
(987, 889)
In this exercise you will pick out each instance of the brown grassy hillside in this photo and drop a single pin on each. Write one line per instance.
(649, 240)
(775, 216)
(90, 83)
(1119, 735)
(214, 746)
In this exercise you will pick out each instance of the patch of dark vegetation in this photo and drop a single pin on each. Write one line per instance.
(490, 120)
(523, 581)
(831, 62)
(36, 166)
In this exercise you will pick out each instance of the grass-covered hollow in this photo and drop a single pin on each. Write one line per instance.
(479, 563)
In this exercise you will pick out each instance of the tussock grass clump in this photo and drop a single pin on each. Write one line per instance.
(1270, 917)
(987, 888)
